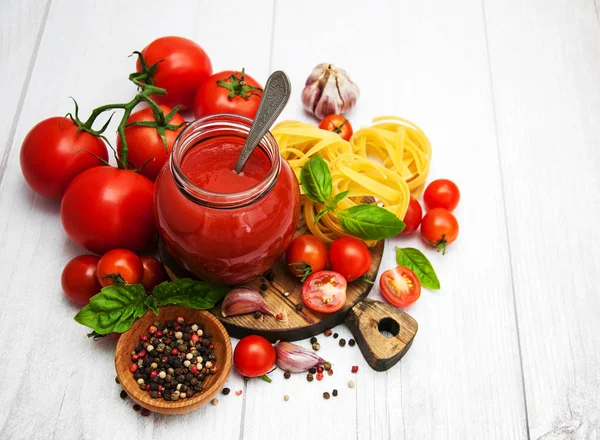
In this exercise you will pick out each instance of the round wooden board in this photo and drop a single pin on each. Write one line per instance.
(296, 324)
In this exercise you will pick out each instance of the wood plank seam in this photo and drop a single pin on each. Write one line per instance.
(597, 12)
(13, 128)
(505, 211)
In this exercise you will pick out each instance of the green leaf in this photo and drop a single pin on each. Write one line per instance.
(189, 293)
(321, 213)
(370, 222)
(420, 265)
(316, 180)
(114, 309)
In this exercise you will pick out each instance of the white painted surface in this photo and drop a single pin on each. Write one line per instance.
(507, 91)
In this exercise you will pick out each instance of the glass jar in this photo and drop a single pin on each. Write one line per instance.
(222, 237)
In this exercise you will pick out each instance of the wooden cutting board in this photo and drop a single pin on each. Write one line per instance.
(366, 318)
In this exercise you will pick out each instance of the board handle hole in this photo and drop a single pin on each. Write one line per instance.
(388, 327)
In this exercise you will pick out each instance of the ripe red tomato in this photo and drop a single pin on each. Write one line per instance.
(439, 228)
(154, 272)
(324, 291)
(183, 67)
(144, 143)
(306, 254)
(338, 124)
(412, 218)
(228, 92)
(441, 193)
(53, 153)
(106, 208)
(79, 280)
(120, 262)
(349, 257)
(400, 286)
(254, 356)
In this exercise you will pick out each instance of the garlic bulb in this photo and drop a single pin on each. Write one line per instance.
(241, 300)
(328, 91)
(295, 359)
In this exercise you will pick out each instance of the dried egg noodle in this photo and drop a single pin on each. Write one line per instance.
(388, 162)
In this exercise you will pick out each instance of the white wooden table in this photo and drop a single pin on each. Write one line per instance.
(508, 92)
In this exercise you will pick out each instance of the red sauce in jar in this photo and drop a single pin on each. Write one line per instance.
(224, 227)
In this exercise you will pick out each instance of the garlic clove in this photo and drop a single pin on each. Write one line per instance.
(318, 72)
(348, 91)
(310, 97)
(296, 359)
(242, 300)
(330, 102)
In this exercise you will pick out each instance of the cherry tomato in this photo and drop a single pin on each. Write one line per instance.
(400, 286)
(120, 262)
(105, 208)
(254, 356)
(144, 143)
(324, 291)
(154, 272)
(412, 218)
(305, 255)
(183, 67)
(349, 257)
(441, 193)
(338, 124)
(228, 92)
(439, 228)
(53, 153)
(79, 280)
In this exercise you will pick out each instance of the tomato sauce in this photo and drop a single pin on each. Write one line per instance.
(243, 226)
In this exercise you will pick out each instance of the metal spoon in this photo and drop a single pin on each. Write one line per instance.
(275, 96)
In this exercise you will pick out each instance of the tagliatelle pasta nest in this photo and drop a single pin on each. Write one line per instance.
(382, 164)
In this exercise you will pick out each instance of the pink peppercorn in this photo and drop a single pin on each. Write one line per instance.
(152, 329)
(195, 337)
(134, 358)
(180, 320)
(355, 369)
(133, 368)
(319, 376)
(174, 351)
(238, 393)
(194, 369)
(142, 354)
(154, 373)
(319, 368)
(143, 338)
(159, 334)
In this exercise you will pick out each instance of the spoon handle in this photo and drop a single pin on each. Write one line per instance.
(275, 96)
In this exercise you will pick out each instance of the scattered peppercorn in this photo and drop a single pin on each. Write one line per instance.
(320, 368)
(270, 276)
(117, 380)
(312, 370)
(286, 294)
(313, 340)
(136, 407)
(257, 315)
(342, 342)
(263, 286)
(286, 397)
(319, 376)
(238, 393)
(350, 384)
(123, 394)
(326, 395)
(351, 342)
(298, 307)
(327, 366)
(279, 316)
(145, 412)
(335, 336)
(328, 332)
(309, 377)
(354, 369)
(287, 374)
(226, 391)
(316, 346)
(214, 402)
(330, 372)
(335, 393)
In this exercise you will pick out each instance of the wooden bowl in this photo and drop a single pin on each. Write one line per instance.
(212, 384)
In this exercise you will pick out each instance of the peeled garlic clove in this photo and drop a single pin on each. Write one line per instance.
(329, 90)
(295, 359)
(242, 300)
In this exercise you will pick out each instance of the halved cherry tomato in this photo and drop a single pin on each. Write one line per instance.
(338, 124)
(154, 272)
(324, 291)
(120, 262)
(400, 286)
(441, 193)
(79, 280)
(349, 257)
(412, 218)
(439, 228)
(306, 254)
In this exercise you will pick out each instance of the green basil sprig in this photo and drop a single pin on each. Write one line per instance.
(116, 307)
(369, 222)
(420, 265)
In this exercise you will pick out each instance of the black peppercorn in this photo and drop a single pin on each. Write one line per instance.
(298, 307)
(117, 380)
(287, 374)
(154, 394)
(312, 370)
(145, 412)
(263, 286)
(123, 394)
(313, 340)
(335, 335)
(206, 342)
(335, 393)
(351, 342)
(270, 276)
(136, 407)
(342, 342)
(257, 315)
(226, 391)
(326, 395)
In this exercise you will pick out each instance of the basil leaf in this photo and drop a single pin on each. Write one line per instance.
(189, 293)
(370, 222)
(114, 309)
(337, 199)
(316, 180)
(420, 265)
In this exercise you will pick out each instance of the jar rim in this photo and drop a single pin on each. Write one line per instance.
(207, 128)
